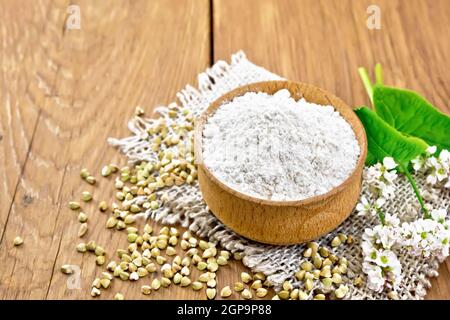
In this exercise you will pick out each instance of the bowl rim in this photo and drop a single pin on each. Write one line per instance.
(212, 107)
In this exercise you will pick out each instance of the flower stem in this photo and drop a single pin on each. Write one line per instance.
(378, 74)
(416, 191)
(381, 216)
(366, 81)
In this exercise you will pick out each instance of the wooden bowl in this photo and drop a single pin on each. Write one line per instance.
(282, 222)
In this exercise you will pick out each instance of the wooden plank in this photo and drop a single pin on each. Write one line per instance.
(65, 91)
(127, 53)
(324, 42)
(23, 88)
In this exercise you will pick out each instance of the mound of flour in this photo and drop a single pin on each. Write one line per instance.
(273, 147)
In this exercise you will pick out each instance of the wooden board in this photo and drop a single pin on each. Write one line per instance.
(63, 92)
(323, 42)
(66, 91)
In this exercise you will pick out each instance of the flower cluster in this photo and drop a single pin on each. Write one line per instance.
(426, 237)
(380, 178)
(380, 261)
(422, 237)
(383, 270)
(436, 167)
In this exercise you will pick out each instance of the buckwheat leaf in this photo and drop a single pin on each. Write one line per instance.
(370, 158)
(412, 115)
(385, 141)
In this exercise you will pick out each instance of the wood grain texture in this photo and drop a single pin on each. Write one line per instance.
(308, 219)
(84, 85)
(323, 42)
(63, 92)
(21, 94)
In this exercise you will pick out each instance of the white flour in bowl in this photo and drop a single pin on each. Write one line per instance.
(273, 147)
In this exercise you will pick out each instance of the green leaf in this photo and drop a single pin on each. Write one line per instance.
(412, 115)
(370, 159)
(385, 141)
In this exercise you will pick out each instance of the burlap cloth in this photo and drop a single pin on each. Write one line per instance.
(279, 263)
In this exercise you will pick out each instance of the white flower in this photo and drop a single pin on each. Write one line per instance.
(364, 207)
(418, 163)
(427, 237)
(386, 190)
(384, 258)
(437, 171)
(439, 215)
(436, 168)
(390, 176)
(387, 237)
(391, 220)
(383, 269)
(381, 177)
(441, 172)
(444, 157)
(393, 270)
(431, 150)
(369, 235)
(370, 253)
(372, 173)
(380, 202)
(389, 163)
(431, 179)
(375, 279)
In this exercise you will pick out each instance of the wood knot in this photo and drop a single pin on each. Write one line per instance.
(27, 200)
